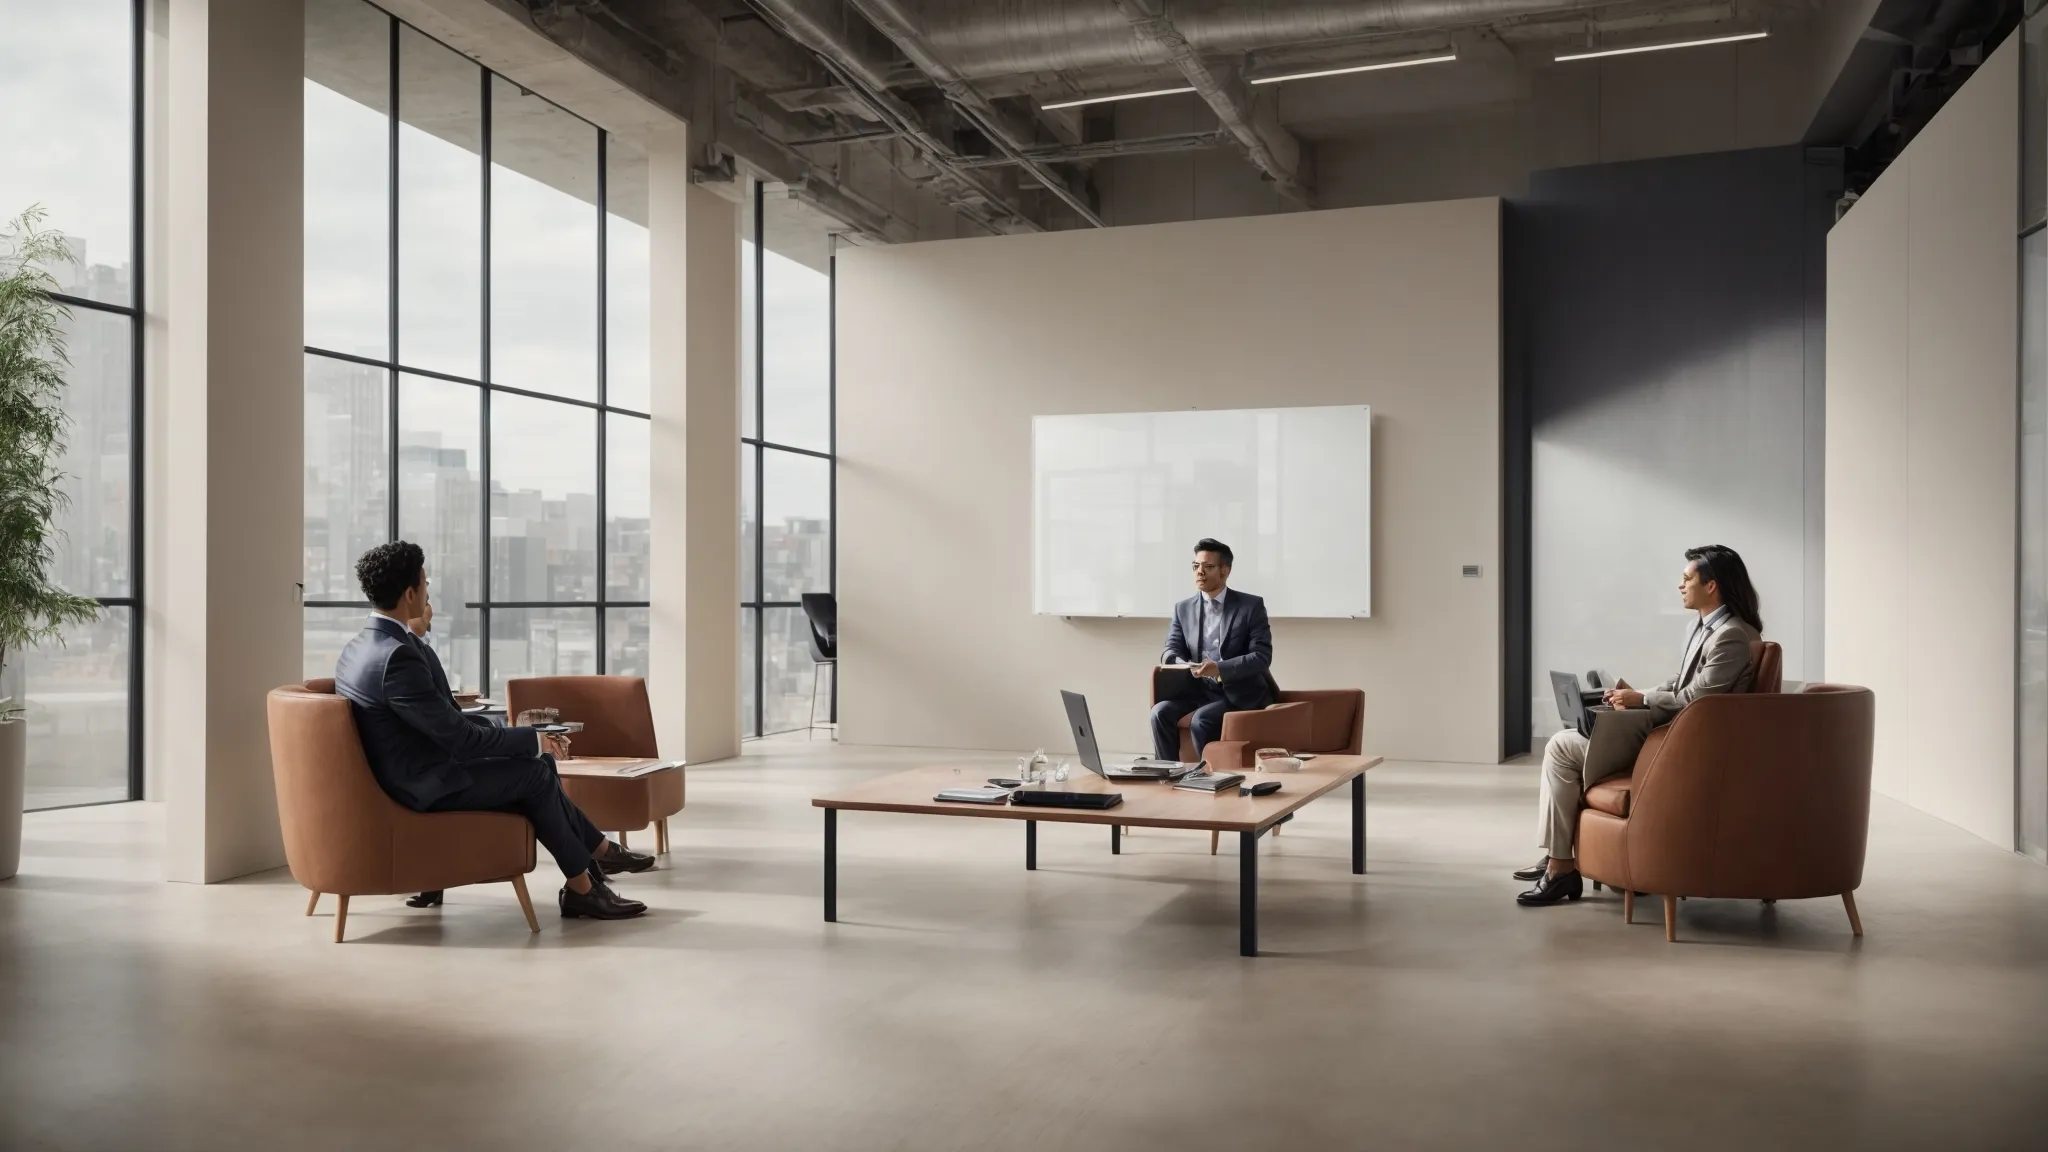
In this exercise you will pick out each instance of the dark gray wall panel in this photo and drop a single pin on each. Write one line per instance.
(1665, 330)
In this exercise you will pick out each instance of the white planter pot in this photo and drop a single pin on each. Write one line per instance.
(13, 792)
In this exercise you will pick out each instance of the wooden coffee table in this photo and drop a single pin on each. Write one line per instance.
(1146, 805)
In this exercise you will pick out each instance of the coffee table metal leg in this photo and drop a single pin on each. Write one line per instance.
(1358, 824)
(831, 865)
(1247, 893)
(1031, 845)
(1116, 840)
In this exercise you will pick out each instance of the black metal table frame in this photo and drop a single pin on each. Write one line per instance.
(1247, 864)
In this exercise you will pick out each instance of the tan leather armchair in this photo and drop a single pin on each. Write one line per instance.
(343, 835)
(1326, 720)
(617, 721)
(1759, 796)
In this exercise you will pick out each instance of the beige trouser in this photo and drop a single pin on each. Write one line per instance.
(1564, 790)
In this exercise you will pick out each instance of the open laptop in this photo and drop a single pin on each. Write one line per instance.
(1091, 756)
(1571, 702)
(1574, 702)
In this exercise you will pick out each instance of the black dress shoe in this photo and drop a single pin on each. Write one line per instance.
(617, 859)
(425, 900)
(1534, 871)
(600, 903)
(1554, 890)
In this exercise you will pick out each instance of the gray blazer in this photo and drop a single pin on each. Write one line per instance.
(1721, 663)
(415, 738)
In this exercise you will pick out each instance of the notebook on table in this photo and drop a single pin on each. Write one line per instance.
(1210, 782)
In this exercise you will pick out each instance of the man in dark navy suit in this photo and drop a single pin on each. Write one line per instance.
(1224, 634)
(429, 757)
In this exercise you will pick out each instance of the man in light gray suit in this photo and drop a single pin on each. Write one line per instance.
(1224, 635)
(1717, 659)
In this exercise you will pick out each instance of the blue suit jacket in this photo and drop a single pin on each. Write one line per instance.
(1247, 647)
(414, 736)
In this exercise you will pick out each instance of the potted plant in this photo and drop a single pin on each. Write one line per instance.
(32, 428)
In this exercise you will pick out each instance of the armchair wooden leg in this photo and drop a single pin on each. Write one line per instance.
(661, 834)
(525, 903)
(1855, 921)
(1276, 830)
(622, 839)
(340, 918)
(1671, 919)
(312, 903)
(1212, 842)
(1628, 905)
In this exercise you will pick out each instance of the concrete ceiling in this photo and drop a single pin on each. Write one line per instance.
(888, 120)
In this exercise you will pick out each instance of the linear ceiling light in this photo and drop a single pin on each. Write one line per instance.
(1122, 96)
(1661, 47)
(1445, 59)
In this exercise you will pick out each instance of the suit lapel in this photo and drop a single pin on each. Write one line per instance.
(1698, 654)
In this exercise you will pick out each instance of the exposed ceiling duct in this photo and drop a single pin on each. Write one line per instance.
(969, 193)
(981, 40)
(893, 21)
(1272, 148)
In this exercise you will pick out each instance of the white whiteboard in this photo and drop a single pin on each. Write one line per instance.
(1119, 499)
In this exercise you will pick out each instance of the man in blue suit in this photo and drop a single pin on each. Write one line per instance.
(1224, 634)
(429, 757)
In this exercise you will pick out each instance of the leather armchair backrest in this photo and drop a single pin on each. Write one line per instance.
(616, 717)
(1336, 719)
(1768, 659)
(1756, 795)
(337, 822)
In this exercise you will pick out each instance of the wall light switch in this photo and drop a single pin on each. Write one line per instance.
(1472, 570)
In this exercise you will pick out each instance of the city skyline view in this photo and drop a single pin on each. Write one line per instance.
(543, 540)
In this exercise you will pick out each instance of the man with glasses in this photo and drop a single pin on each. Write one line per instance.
(1224, 636)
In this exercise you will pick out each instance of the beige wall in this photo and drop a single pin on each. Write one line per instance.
(947, 350)
(1921, 420)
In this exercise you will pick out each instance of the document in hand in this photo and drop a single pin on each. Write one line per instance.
(620, 767)
(1170, 680)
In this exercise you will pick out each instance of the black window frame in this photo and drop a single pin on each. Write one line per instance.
(751, 598)
(135, 313)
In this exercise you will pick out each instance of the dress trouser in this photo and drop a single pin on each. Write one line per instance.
(1207, 700)
(1566, 776)
(529, 787)
(1572, 763)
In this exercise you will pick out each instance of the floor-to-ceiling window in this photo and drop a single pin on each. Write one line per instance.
(786, 463)
(70, 142)
(476, 356)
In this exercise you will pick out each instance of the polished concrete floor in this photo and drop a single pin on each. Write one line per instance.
(965, 1003)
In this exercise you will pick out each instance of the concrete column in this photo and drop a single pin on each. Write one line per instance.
(693, 667)
(225, 617)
